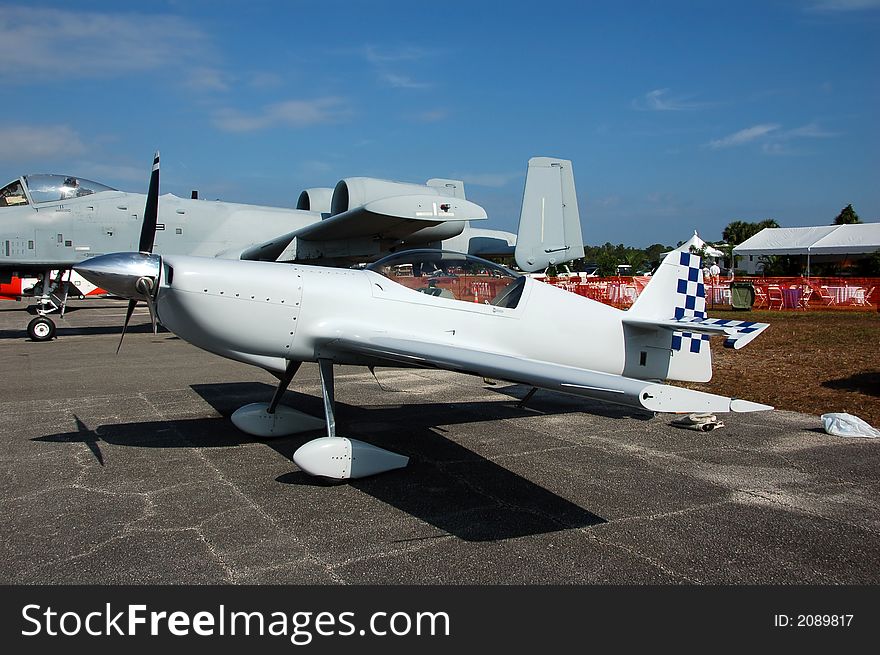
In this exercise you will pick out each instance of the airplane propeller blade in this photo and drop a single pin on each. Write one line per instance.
(131, 305)
(151, 210)
(145, 245)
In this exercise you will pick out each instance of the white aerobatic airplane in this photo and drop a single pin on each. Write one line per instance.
(437, 309)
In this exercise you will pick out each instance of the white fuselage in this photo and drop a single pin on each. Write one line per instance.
(265, 314)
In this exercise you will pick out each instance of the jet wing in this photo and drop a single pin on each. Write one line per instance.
(606, 387)
(394, 218)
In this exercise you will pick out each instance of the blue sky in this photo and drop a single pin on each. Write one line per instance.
(677, 115)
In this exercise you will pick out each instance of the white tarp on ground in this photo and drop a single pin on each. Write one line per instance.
(859, 238)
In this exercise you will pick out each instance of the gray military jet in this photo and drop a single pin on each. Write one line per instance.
(50, 223)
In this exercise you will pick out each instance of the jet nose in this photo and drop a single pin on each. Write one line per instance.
(131, 275)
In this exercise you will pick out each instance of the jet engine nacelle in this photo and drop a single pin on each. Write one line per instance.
(315, 200)
(358, 191)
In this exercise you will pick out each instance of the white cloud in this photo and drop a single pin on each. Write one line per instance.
(265, 80)
(101, 172)
(402, 81)
(743, 136)
(383, 60)
(40, 43)
(662, 100)
(25, 143)
(290, 113)
(842, 5)
(661, 197)
(773, 139)
(431, 116)
(209, 79)
(375, 56)
(607, 201)
(314, 167)
(811, 130)
(776, 148)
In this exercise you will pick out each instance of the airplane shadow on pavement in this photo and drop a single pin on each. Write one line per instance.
(445, 484)
(62, 331)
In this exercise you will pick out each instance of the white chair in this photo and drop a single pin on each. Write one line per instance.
(760, 297)
(862, 297)
(827, 297)
(774, 296)
(806, 294)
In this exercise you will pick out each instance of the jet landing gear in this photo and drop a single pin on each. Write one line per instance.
(42, 328)
(331, 456)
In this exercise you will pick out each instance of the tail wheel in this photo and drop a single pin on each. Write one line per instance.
(41, 329)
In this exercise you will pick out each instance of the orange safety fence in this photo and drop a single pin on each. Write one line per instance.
(781, 293)
(471, 288)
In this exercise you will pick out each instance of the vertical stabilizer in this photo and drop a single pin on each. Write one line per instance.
(453, 188)
(676, 292)
(549, 225)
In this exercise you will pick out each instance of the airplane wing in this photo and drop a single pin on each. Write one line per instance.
(651, 396)
(393, 219)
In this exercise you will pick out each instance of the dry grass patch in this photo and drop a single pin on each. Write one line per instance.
(813, 362)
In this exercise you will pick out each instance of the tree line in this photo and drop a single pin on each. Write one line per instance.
(606, 258)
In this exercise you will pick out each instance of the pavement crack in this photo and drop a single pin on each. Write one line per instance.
(645, 558)
(238, 490)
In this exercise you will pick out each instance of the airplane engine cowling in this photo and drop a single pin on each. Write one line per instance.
(358, 191)
(316, 200)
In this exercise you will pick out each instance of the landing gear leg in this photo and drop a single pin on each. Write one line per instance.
(528, 397)
(46, 304)
(338, 457)
(66, 291)
(328, 390)
(284, 382)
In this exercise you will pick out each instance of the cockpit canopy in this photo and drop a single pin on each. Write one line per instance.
(453, 275)
(48, 188)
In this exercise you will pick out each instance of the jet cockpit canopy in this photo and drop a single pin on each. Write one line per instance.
(48, 188)
(453, 275)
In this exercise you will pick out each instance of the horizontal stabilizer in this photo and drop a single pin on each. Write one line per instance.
(737, 333)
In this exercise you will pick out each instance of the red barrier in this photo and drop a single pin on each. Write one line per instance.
(779, 293)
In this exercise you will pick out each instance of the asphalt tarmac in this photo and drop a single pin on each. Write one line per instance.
(126, 470)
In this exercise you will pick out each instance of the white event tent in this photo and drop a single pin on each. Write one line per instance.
(833, 240)
(697, 243)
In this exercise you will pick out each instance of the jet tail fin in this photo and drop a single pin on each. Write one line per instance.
(669, 316)
(549, 225)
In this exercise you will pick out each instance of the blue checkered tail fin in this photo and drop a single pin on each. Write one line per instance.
(667, 331)
(676, 290)
(657, 326)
